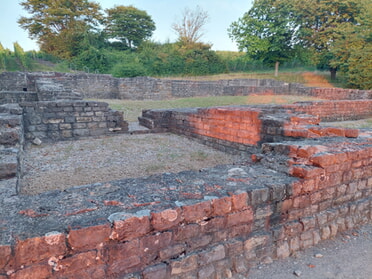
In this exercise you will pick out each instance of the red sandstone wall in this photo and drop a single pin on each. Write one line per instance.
(235, 125)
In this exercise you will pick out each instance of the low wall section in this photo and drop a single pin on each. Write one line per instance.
(243, 128)
(139, 88)
(338, 110)
(65, 120)
(216, 223)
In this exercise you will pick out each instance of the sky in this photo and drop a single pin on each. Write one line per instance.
(163, 12)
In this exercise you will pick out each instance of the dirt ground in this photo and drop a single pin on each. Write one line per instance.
(65, 164)
(348, 256)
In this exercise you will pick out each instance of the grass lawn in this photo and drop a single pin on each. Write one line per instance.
(132, 109)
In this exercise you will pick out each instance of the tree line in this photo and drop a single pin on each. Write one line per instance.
(333, 35)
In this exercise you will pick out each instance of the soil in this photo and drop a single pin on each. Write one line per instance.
(65, 164)
(348, 256)
(314, 80)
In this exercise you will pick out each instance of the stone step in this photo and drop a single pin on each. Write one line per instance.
(136, 128)
(146, 122)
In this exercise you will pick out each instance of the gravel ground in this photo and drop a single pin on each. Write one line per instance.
(71, 163)
(348, 256)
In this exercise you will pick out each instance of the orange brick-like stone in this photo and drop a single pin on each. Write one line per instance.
(166, 219)
(32, 272)
(182, 233)
(197, 212)
(130, 228)
(239, 201)
(238, 218)
(222, 206)
(323, 160)
(122, 258)
(351, 133)
(37, 249)
(73, 265)
(151, 245)
(89, 238)
(5, 254)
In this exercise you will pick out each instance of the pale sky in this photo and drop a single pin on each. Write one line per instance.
(163, 12)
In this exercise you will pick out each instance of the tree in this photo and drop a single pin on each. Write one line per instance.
(2, 57)
(20, 55)
(190, 27)
(320, 24)
(266, 32)
(352, 50)
(129, 25)
(57, 24)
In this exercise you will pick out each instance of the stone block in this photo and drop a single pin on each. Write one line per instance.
(166, 219)
(197, 212)
(129, 226)
(152, 245)
(42, 271)
(199, 242)
(159, 271)
(185, 265)
(5, 255)
(34, 250)
(172, 251)
(239, 218)
(186, 232)
(122, 258)
(215, 254)
(89, 238)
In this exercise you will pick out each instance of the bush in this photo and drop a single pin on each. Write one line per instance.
(128, 69)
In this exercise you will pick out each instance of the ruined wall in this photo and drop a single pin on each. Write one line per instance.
(11, 141)
(64, 120)
(215, 223)
(15, 97)
(336, 110)
(244, 128)
(139, 88)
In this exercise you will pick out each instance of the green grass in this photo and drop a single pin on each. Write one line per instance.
(287, 76)
(133, 109)
(354, 124)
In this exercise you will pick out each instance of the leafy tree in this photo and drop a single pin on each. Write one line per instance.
(190, 27)
(320, 24)
(129, 25)
(57, 24)
(352, 50)
(2, 57)
(266, 32)
(21, 56)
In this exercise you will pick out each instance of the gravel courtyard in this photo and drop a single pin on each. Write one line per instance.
(71, 163)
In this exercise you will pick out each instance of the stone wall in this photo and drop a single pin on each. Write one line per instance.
(215, 223)
(66, 120)
(339, 110)
(244, 128)
(11, 139)
(15, 97)
(139, 88)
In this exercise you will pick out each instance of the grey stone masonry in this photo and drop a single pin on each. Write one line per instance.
(53, 86)
(64, 120)
(11, 143)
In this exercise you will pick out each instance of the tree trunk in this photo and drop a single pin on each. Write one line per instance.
(333, 73)
(276, 68)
